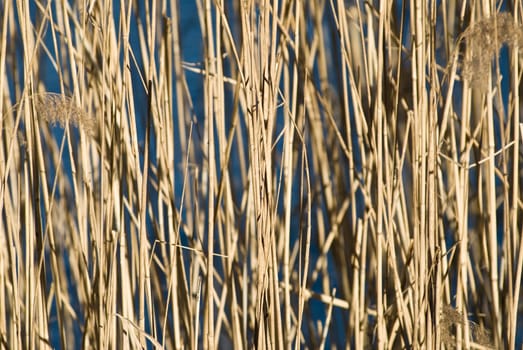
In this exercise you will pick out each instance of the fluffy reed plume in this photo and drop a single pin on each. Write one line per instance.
(55, 108)
(484, 40)
(452, 318)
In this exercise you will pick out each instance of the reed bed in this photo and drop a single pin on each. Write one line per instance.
(260, 174)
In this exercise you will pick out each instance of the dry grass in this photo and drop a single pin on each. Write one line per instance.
(323, 174)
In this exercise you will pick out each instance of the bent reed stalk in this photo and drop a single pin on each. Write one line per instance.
(313, 174)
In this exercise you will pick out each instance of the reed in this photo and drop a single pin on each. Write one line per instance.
(317, 175)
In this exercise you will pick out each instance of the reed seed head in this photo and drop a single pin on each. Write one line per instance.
(57, 108)
(485, 38)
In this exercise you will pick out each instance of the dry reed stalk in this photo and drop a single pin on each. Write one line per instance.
(322, 174)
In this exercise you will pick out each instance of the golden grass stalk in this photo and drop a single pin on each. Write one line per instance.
(317, 175)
